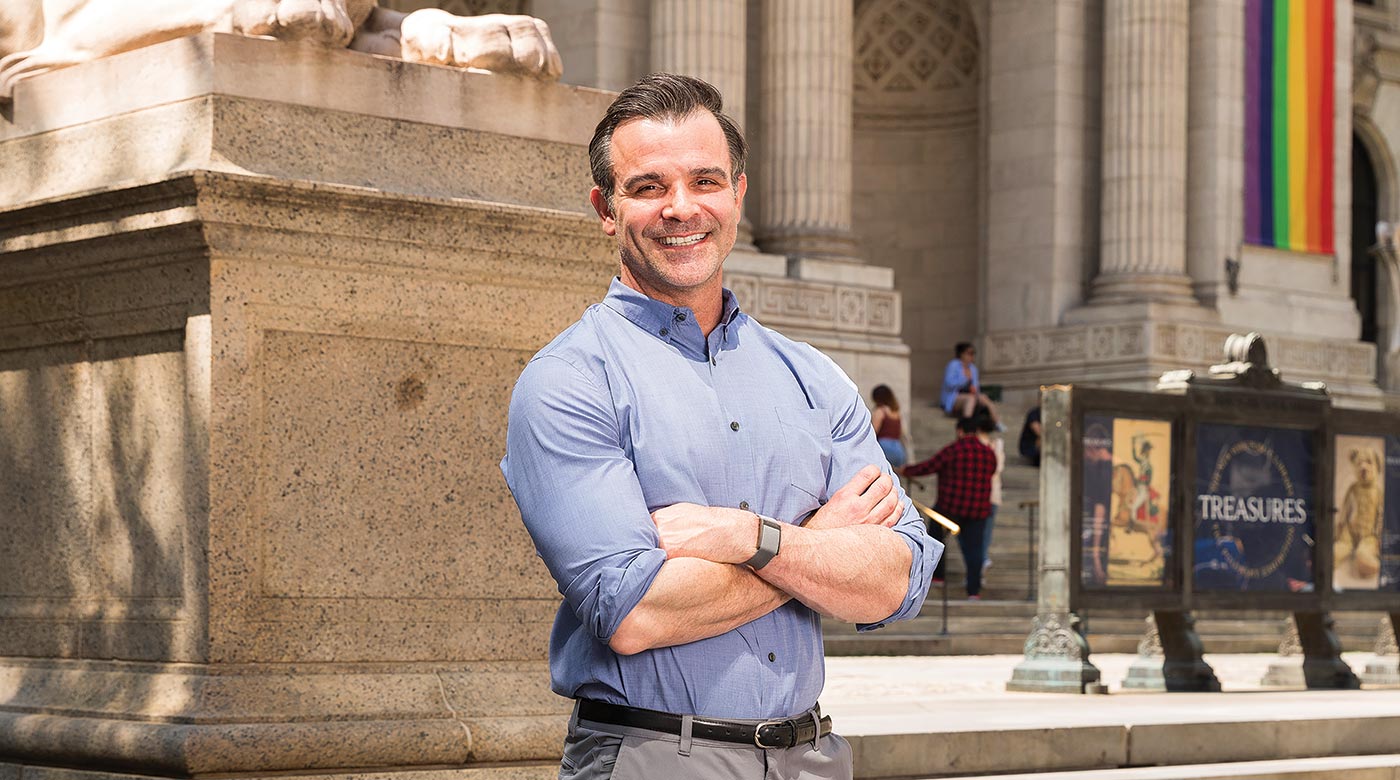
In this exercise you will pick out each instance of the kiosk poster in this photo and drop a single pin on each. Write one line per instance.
(1366, 492)
(1254, 509)
(1126, 538)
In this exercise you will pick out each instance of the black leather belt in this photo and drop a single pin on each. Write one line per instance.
(772, 734)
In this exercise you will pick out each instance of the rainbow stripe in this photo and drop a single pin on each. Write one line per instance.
(1288, 124)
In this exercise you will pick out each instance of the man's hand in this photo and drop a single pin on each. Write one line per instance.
(713, 533)
(870, 498)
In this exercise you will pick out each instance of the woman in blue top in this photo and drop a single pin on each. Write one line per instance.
(962, 389)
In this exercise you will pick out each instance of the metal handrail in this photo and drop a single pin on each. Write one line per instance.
(953, 529)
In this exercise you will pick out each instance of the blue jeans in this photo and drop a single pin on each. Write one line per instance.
(972, 541)
(987, 538)
(894, 451)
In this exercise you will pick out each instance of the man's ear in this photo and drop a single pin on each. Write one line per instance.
(600, 205)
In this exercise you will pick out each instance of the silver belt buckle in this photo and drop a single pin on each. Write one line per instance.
(758, 732)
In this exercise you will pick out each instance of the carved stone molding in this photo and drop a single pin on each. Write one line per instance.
(1291, 644)
(1385, 639)
(1056, 635)
(784, 301)
(915, 62)
(1051, 350)
(1150, 646)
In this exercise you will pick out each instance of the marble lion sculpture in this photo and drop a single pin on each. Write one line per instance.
(40, 35)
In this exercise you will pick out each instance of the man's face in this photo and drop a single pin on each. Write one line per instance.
(675, 210)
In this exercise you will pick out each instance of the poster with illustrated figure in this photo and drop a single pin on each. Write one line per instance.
(1365, 542)
(1127, 502)
(1254, 507)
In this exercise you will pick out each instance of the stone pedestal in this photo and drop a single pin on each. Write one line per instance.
(261, 308)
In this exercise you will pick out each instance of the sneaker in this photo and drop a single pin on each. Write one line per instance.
(986, 564)
(974, 597)
(936, 581)
(1001, 427)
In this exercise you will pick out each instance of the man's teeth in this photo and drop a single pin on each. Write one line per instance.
(683, 240)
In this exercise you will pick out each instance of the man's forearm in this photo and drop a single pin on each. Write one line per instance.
(693, 599)
(858, 573)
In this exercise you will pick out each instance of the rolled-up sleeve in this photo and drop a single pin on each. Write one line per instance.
(853, 447)
(578, 493)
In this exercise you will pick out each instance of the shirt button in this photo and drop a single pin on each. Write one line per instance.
(743, 505)
(680, 316)
(772, 656)
(665, 331)
(734, 426)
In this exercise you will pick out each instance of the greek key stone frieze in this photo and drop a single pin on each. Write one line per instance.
(1188, 346)
(784, 301)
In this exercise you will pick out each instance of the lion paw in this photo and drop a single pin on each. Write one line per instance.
(499, 43)
(320, 21)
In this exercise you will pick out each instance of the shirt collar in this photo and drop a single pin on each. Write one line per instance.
(664, 320)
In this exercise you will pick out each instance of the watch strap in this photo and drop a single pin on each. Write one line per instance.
(770, 536)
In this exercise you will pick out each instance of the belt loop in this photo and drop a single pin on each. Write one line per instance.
(816, 715)
(573, 717)
(687, 726)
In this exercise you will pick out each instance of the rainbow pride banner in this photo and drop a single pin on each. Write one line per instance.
(1288, 124)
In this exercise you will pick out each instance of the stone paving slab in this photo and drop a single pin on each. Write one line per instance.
(1385, 767)
(929, 716)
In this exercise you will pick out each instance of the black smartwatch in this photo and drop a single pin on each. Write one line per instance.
(770, 536)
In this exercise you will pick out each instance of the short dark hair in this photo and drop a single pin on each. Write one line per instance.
(962, 346)
(967, 425)
(984, 422)
(662, 96)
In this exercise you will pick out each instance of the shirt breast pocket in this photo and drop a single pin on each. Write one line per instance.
(807, 454)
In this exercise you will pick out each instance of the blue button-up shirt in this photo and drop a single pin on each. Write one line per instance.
(633, 409)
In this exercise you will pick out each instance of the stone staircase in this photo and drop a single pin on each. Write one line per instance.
(1000, 622)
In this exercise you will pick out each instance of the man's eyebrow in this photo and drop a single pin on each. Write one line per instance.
(712, 172)
(640, 179)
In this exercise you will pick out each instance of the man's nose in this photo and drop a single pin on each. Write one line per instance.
(681, 206)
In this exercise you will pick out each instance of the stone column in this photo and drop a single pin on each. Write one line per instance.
(803, 180)
(1144, 154)
(705, 39)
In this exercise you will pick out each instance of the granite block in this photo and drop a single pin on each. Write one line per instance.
(973, 752)
(46, 512)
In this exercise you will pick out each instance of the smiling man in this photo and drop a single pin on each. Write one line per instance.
(702, 489)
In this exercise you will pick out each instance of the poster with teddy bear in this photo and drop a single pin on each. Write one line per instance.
(1367, 498)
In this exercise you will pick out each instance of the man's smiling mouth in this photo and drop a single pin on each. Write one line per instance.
(683, 240)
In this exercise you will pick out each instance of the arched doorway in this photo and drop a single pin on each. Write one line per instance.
(916, 152)
(1365, 211)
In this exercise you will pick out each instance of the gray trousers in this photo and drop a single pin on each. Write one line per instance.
(598, 751)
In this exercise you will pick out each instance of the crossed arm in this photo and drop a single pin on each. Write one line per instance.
(638, 583)
(845, 562)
